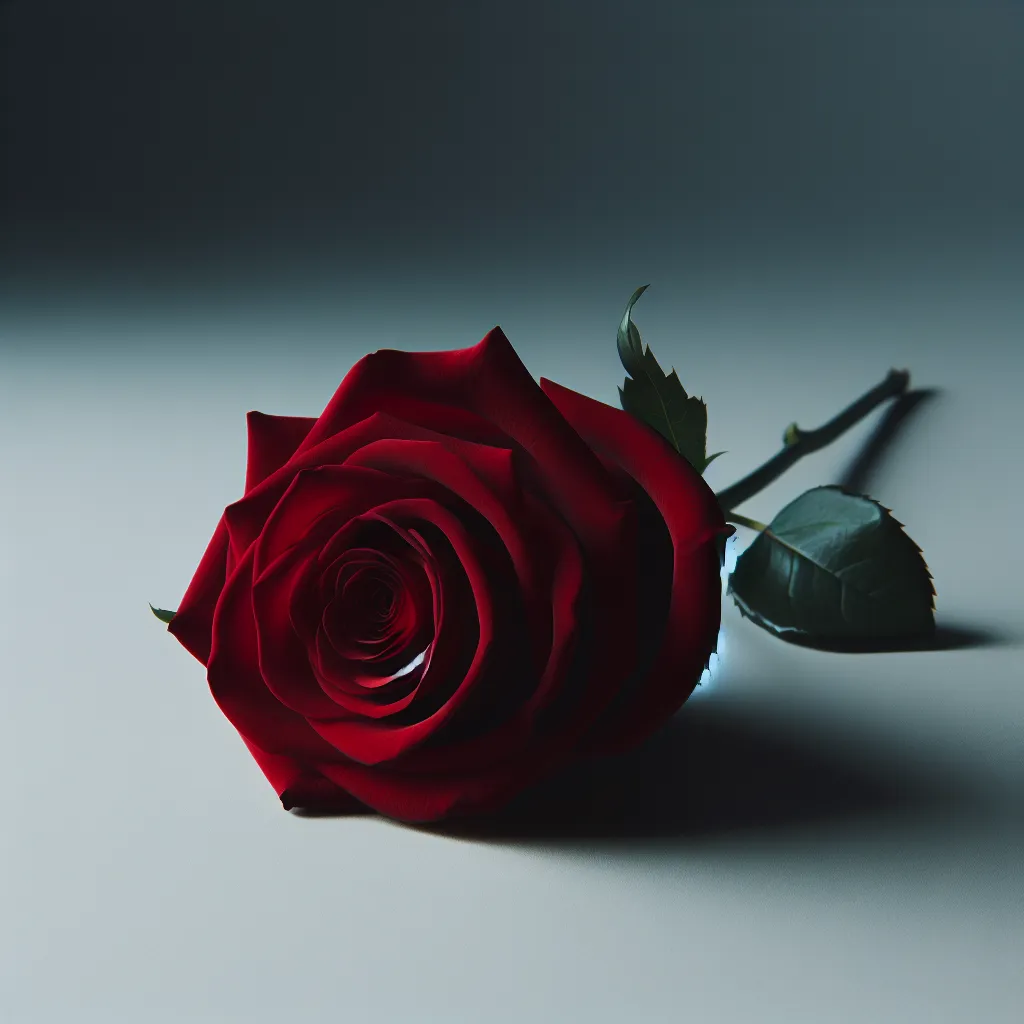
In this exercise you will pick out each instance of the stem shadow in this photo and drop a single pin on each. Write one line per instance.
(860, 474)
(859, 477)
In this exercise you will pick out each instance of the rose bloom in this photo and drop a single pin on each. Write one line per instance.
(450, 585)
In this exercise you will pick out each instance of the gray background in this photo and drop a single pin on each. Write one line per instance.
(220, 207)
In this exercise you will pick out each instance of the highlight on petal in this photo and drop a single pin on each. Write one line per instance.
(375, 669)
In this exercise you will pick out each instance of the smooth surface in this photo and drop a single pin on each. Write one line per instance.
(819, 837)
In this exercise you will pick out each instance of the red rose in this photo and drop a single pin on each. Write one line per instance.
(546, 563)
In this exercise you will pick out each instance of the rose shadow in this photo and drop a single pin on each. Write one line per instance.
(718, 768)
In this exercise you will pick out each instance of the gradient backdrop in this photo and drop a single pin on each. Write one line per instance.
(211, 207)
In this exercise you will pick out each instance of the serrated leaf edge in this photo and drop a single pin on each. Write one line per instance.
(748, 613)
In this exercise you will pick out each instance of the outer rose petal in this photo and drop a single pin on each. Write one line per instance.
(237, 685)
(420, 798)
(298, 786)
(321, 499)
(685, 500)
(247, 517)
(272, 442)
(490, 381)
(694, 518)
(192, 624)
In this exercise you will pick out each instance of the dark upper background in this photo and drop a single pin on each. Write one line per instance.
(221, 141)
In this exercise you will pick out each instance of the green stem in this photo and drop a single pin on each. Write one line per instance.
(799, 443)
(751, 524)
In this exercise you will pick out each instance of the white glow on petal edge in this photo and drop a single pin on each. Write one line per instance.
(415, 663)
(707, 679)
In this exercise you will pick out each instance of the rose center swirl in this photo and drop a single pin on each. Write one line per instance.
(377, 616)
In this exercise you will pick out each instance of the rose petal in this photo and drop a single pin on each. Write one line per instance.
(320, 501)
(247, 516)
(693, 518)
(578, 685)
(300, 786)
(373, 743)
(562, 703)
(364, 534)
(291, 660)
(484, 478)
(282, 653)
(337, 680)
(237, 685)
(272, 442)
(361, 632)
(346, 682)
(419, 799)
(682, 495)
(490, 381)
(192, 624)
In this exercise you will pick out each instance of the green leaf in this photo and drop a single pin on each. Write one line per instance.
(709, 460)
(657, 398)
(835, 565)
(162, 614)
(627, 339)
